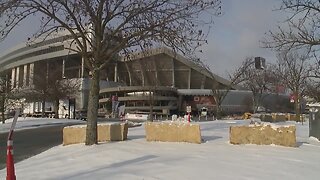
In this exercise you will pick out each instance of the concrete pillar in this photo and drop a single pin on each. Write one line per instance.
(173, 74)
(116, 72)
(17, 77)
(25, 75)
(64, 67)
(203, 81)
(156, 71)
(47, 71)
(31, 74)
(13, 77)
(129, 73)
(82, 68)
(142, 68)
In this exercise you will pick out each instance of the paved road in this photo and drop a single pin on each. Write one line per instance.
(28, 143)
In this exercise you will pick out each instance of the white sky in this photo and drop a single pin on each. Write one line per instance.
(137, 159)
(237, 34)
(234, 36)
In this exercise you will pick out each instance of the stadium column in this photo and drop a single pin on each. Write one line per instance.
(17, 77)
(142, 73)
(116, 72)
(82, 67)
(129, 73)
(13, 77)
(64, 67)
(173, 74)
(203, 81)
(31, 74)
(157, 82)
(25, 75)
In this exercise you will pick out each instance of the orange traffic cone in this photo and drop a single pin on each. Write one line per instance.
(10, 163)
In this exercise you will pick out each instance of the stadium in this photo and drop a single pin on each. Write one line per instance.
(159, 78)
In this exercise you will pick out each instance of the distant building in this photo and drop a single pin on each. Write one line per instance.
(160, 70)
(158, 77)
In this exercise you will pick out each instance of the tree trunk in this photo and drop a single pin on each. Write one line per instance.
(3, 109)
(218, 108)
(219, 111)
(92, 114)
(56, 109)
(255, 103)
(297, 109)
(151, 105)
(43, 108)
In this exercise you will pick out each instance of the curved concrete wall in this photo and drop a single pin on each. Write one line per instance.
(47, 49)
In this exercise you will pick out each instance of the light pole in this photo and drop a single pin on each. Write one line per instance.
(260, 64)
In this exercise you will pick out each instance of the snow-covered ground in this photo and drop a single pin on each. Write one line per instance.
(138, 159)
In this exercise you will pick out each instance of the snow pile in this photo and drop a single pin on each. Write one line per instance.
(314, 139)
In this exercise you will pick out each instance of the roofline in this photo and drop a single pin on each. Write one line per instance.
(173, 54)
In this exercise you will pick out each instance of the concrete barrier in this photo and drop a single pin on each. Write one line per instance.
(266, 118)
(106, 132)
(294, 117)
(173, 132)
(279, 117)
(263, 135)
(274, 117)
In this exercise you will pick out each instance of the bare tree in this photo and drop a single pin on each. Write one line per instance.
(301, 29)
(40, 90)
(293, 71)
(313, 91)
(256, 80)
(6, 95)
(103, 29)
(49, 85)
(61, 89)
(300, 32)
(313, 85)
(220, 93)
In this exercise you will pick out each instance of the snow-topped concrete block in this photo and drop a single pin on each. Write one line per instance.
(173, 132)
(263, 135)
(274, 117)
(294, 117)
(279, 117)
(106, 132)
(266, 117)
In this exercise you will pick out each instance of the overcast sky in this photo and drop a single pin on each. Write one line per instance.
(234, 36)
(237, 33)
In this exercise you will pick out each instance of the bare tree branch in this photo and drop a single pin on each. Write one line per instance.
(301, 30)
(104, 29)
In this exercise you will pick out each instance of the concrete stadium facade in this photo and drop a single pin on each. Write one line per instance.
(154, 78)
(160, 72)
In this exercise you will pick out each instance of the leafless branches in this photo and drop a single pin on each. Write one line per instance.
(302, 30)
(116, 26)
(103, 29)
(293, 70)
